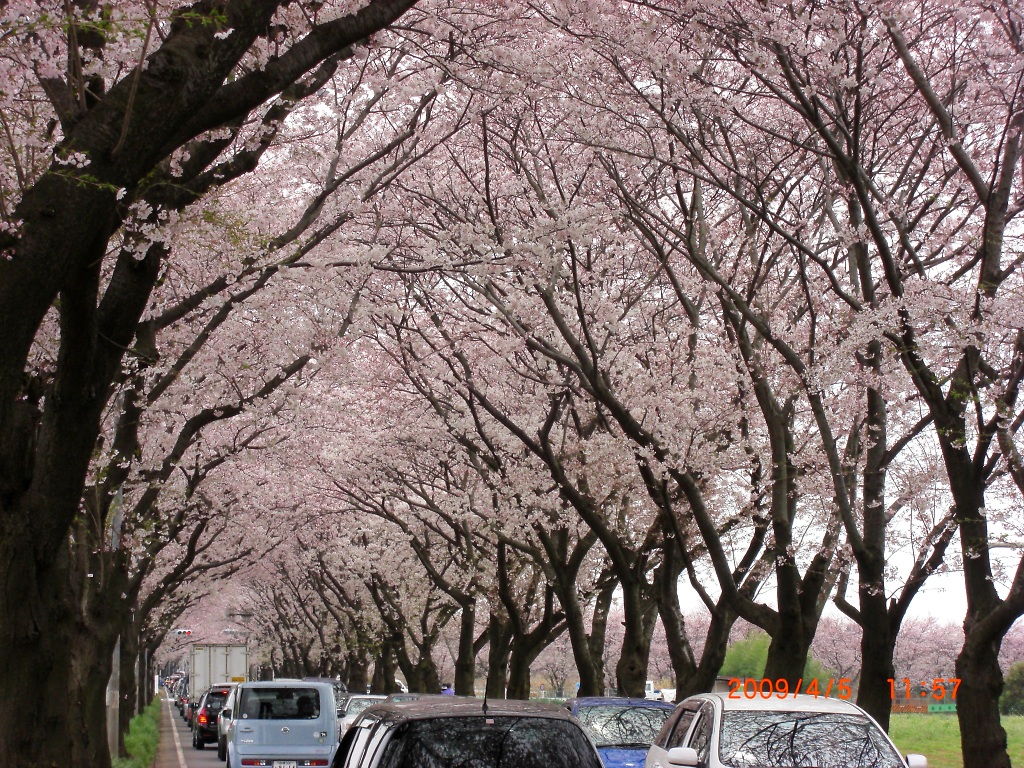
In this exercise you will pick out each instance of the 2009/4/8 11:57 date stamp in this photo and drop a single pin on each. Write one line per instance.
(752, 688)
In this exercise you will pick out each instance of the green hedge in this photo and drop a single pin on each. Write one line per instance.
(142, 739)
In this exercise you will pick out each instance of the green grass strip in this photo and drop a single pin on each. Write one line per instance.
(937, 737)
(142, 739)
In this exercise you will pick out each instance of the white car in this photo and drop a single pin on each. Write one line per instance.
(352, 705)
(224, 725)
(712, 730)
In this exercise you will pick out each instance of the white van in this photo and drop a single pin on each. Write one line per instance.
(283, 724)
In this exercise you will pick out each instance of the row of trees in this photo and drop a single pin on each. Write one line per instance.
(499, 318)
(729, 297)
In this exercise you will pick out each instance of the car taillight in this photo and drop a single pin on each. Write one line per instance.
(203, 719)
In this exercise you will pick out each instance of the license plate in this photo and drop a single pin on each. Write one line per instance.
(284, 764)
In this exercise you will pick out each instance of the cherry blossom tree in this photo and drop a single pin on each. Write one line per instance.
(139, 109)
(919, 261)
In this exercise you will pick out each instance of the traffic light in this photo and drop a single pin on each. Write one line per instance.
(186, 632)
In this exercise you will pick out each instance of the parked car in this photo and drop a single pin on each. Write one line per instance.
(352, 705)
(181, 695)
(441, 731)
(224, 723)
(283, 723)
(623, 729)
(176, 690)
(204, 726)
(712, 730)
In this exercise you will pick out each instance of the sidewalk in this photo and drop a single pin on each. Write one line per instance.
(169, 753)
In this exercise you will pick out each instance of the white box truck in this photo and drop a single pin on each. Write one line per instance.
(213, 663)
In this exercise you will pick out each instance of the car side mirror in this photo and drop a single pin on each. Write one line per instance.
(226, 714)
(917, 761)
(683, 756)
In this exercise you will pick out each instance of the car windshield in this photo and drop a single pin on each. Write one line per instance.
(489, 742)
(280, 703)
(803, 740)
(355, 706)
(623, 725)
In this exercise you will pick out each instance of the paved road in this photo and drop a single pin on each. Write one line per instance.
(176, 744)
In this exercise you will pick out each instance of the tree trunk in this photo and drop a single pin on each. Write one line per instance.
(684, 666)
(424, 677)
(131, 675)
(519, 674)
(36, 635)
(385, 669)
(787, 654)
(145, 681)
(499, 648)
(525, 651)
(639, 619)
(563, 574)
(587, 648)
(878, 633)
(873, 694)
(713, 655)
(983, 739)
(357, 667)
(589, 666)
(465, 661)
(878, 643)
(91, 666)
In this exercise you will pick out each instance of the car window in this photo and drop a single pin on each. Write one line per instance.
(700, 738)
(823, 739)
(677, 734)
(280, 704)
(215, 699)
(489, 742)
(622, 725)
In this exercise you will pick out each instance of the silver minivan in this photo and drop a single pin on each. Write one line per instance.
(282, 724)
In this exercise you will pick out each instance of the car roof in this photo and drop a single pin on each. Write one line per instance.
(430, 707)
(283, 684)
(798, 703)
(332, 680)
(597, 701)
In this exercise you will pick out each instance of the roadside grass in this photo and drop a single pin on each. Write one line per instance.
(937, 737)
(142, 739)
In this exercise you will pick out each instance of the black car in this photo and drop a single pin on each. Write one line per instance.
(204, 721)
(449, 732)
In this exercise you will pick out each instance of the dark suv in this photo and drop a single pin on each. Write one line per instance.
(204, 721)
(446, 732)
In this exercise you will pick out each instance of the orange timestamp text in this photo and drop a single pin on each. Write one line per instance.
(752, 688)
(938, 688)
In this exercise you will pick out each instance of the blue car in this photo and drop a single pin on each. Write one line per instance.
(622, 729)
